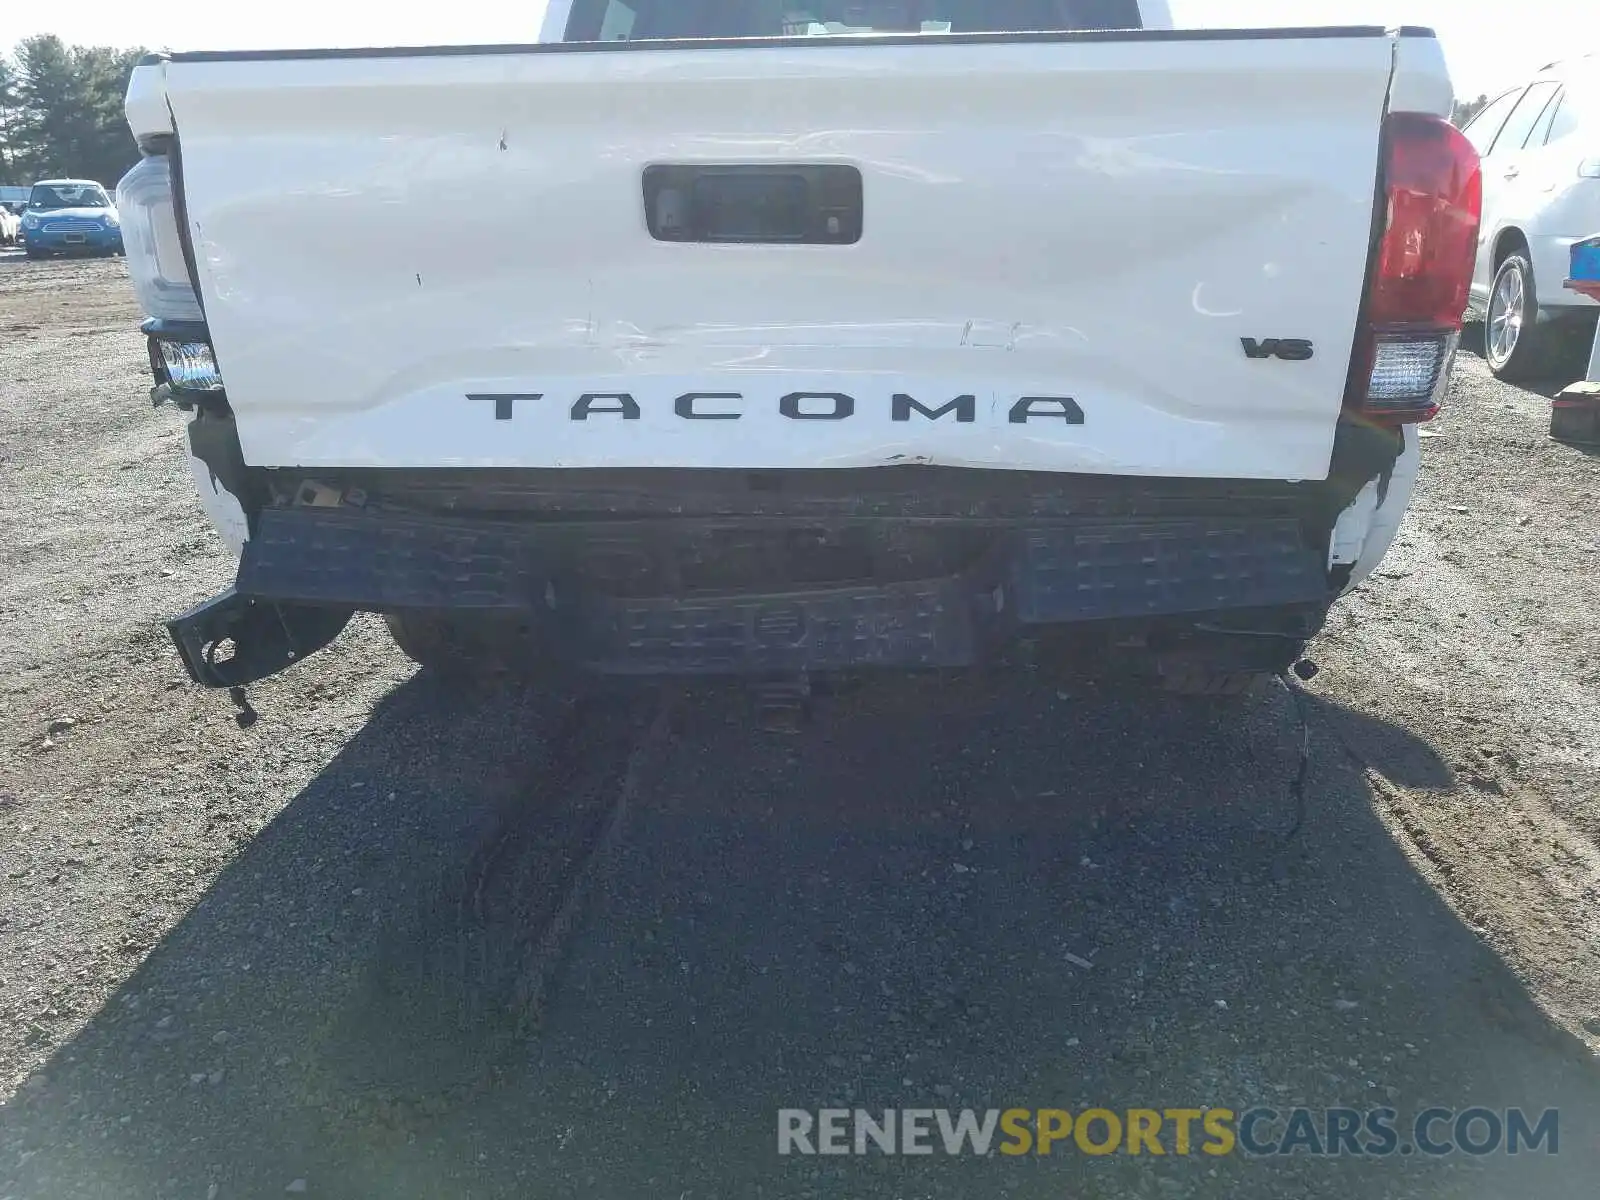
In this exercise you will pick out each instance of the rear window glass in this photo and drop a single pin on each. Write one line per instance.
(626, 20)
(1578, 110)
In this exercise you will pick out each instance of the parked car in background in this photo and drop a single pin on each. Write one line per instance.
(10, 223)
(70, 216)
(1540, 144)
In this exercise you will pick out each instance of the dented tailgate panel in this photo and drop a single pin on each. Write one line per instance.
(1136, 256)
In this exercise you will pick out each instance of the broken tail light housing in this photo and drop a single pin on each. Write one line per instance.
(181, 356)
(151, 240)
(1419, 281)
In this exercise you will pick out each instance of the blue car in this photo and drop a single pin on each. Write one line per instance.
(69, 216)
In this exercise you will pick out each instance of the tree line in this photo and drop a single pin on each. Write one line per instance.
(61, 112)
(1465, 110)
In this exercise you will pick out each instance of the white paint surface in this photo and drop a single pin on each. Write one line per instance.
(1127, 210)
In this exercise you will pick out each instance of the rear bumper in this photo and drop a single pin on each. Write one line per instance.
(1051, 573)
(674, 572)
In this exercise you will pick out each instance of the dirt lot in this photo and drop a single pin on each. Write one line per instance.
(225, 954)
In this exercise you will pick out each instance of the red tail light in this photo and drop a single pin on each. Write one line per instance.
(1419, 281)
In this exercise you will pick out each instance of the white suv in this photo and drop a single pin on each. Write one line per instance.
(1540, 144)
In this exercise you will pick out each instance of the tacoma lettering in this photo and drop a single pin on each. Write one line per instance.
(620, 404)
(842, 406)
(684, 406)
(1065, 409)
(796, 406)
(965, 408)
(504, 406)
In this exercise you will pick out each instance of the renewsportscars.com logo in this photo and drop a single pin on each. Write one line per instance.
(1255, 1132)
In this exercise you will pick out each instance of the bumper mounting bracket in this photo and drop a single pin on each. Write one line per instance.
(232, 640)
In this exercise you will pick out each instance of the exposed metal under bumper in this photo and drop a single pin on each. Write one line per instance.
(1066, 571)
(232, 639)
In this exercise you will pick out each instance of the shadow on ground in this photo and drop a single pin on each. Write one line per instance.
(972, 893)
(1569, 354)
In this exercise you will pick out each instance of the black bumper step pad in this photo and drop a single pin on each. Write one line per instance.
(1070, 571)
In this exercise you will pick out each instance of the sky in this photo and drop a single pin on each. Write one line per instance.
(1490, 46)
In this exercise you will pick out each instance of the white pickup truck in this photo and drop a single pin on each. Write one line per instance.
(771, 339)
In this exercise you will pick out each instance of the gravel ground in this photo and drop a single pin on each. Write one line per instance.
(228, 965)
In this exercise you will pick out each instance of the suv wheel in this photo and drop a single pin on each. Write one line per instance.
(1513, 341)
